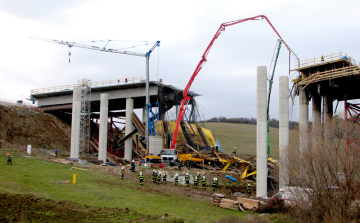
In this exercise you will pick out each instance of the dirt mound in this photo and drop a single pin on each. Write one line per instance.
(24, 208)
(21, 127)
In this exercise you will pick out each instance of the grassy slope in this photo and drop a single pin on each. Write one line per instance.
(42, 179)
(242, 136)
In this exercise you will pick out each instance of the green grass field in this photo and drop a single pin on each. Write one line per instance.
(242, 136)
(95, 188)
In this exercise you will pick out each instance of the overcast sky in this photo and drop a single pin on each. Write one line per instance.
(227, 82)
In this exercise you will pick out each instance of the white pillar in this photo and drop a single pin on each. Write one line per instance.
(283, 131)
(104, 111)
(128, 128)
(75, 123)
(144, 116)
(303, 120)
(261, 133)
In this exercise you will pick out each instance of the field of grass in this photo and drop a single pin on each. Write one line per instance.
(242, 136)
(97, 189)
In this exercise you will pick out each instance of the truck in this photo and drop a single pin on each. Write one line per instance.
(169, 156)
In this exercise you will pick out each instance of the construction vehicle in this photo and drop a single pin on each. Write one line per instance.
(186, 97)
(169, 156)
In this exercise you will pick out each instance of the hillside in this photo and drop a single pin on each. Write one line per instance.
(242, 136)
(21, 127)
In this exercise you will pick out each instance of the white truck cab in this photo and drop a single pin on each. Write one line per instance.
(169, 156)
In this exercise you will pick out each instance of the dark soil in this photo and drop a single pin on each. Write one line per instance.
(25, 208)
(22, 127)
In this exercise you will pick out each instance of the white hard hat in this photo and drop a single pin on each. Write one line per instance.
(234, 147)
(153, 170)
(160, 172)
(203, 177)
(140, 173)
(198, 173)
(187, 173)
(122, 168)
(133, 160)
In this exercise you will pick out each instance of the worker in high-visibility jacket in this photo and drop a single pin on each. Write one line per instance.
(249, 189)
(214, 184)
(196, 181)
(122, 172)
(155, 176)
(179, 164)
(9, 160)
(234, 151)
(159, 178)
(164, 178)
(203, 183)
(176, 179)
(141, 178)
(187, 180)
(124, 162)
(133, 166)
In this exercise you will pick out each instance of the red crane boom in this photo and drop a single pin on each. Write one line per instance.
(202, 62)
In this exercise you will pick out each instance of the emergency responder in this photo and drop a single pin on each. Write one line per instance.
(9, 160)
(203, 183)
(214, 184)
(234, 151)
(216, 149)
(217, 183)
(133, 166)
(122, 172)
(179, 164)
(164, 178)
(176, 179)
(198, 175)
(159, 178)
(196, 181)
(124, 162)
(155, 176)
(189, 163)
(187, 180)
(141, 178)
(322, 58)
(56, 152)
(249, 189)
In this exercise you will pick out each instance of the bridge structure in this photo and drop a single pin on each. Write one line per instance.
(108, 99)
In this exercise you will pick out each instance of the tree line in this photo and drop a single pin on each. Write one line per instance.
(252, 121)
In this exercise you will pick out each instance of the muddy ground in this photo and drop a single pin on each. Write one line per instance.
(25, 208)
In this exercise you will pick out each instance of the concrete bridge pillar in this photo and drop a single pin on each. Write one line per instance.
(103, 139)
(75, 124)
(303, 120)
(128, 128)
(328, 113)
(261, 133)
(283, 131)
(316, 117)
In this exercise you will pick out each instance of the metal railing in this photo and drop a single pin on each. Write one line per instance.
(325, 59)
(92, 84)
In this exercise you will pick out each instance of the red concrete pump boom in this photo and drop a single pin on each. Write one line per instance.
(202, 62)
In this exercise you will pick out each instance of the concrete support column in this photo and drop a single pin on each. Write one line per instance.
(303, 120)
(283, 131)
(144, 116)
(261, 133)
(103, 139)
(328, 113)
(128, 128)
(75, 124)
(316, 117)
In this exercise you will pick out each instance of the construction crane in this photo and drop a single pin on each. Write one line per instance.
(269, 94)
(202, 63)
(104, 49)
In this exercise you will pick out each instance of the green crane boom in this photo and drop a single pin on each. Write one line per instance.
(269, 93)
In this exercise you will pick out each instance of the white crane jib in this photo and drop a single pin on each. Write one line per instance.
(104, 49)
